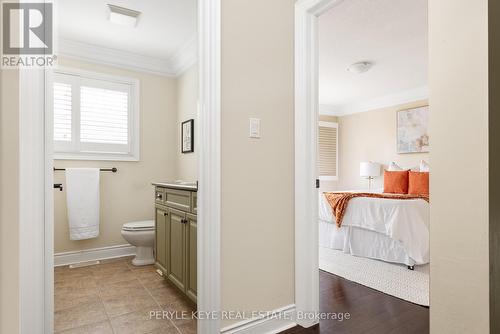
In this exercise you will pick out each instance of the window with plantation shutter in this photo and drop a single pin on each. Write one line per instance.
(95, 116)
(328, 151)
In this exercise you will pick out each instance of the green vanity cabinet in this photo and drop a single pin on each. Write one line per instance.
(176, 239)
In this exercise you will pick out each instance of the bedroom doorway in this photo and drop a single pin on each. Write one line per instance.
(361, 85)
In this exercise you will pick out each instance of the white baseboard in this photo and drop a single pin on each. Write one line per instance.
(66, 258)
(280, 320)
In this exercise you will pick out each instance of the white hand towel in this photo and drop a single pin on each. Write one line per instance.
(82, 197)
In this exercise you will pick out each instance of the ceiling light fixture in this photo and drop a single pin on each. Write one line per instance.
(360, 67)
(123, 16)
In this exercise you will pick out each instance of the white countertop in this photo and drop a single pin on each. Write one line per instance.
(182, 185)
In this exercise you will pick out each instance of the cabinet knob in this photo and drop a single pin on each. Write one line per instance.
(165, 213)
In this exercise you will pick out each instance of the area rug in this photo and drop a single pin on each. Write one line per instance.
(392, 279)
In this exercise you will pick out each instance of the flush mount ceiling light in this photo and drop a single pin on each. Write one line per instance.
(123, 16)
(360, 67)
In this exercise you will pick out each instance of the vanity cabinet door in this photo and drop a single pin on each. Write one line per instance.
(160, 238)
(176, 248)
(191, 256)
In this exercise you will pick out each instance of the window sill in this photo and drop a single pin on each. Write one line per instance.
(96, 157)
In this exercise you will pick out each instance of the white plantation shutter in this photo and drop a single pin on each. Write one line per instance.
(62, 111)
(103, 116)
(327, 150)
(95, 117)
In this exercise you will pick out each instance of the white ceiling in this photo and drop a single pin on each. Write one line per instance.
(392, 34)
(163, 27)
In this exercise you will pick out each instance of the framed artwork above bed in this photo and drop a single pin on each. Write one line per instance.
(413, 130)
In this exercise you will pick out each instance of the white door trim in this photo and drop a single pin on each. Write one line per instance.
(36, 275)
(209, 167)
(306, 127)
(35, 241)
(36, 192)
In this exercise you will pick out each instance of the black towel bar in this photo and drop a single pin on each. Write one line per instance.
(114, 169)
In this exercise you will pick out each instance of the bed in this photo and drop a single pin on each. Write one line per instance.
(391, 230)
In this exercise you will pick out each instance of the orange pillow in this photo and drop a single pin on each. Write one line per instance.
(396, 182)
(418, 183)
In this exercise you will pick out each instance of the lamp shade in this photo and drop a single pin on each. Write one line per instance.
(369, 169)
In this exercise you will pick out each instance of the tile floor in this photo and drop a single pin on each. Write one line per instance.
(116, 297)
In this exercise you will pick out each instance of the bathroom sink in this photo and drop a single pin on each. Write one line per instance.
(187, 185)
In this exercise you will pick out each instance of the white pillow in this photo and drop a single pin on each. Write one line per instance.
(393, 167)
(424, 166)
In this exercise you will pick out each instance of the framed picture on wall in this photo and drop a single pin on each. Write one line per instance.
(187, 136)
(412, 130)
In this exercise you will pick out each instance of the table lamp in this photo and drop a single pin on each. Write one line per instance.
(369, 170)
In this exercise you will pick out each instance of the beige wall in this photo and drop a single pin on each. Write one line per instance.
(459, 131)
(370, 136)
(257, 250)
(187, 105)
(9, 201)
(127, 195)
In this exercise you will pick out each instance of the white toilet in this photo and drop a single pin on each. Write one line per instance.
(142, 235)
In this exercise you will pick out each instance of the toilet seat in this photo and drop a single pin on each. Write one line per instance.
(146, 225)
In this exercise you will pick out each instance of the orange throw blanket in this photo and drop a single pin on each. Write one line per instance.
(339, 201)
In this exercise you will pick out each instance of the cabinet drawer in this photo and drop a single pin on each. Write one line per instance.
(194, 202)
(178, 199)
(159, 195)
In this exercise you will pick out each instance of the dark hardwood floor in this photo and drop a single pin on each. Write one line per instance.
(370, 311)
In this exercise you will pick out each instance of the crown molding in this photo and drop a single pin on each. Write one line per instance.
(174, 66)
(412, 95)
(185, 57)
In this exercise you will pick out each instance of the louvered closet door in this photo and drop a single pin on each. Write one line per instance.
(327, 149)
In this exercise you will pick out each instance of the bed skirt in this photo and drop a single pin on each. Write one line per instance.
(361, 242)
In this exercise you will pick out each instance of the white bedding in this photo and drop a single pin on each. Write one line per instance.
(386, 229)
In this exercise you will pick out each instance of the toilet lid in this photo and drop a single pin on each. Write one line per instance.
(142, 225)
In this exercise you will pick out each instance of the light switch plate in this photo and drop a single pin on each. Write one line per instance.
(254, 128)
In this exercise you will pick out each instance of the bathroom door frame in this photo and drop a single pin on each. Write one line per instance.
(36, 215)
(307, 13)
